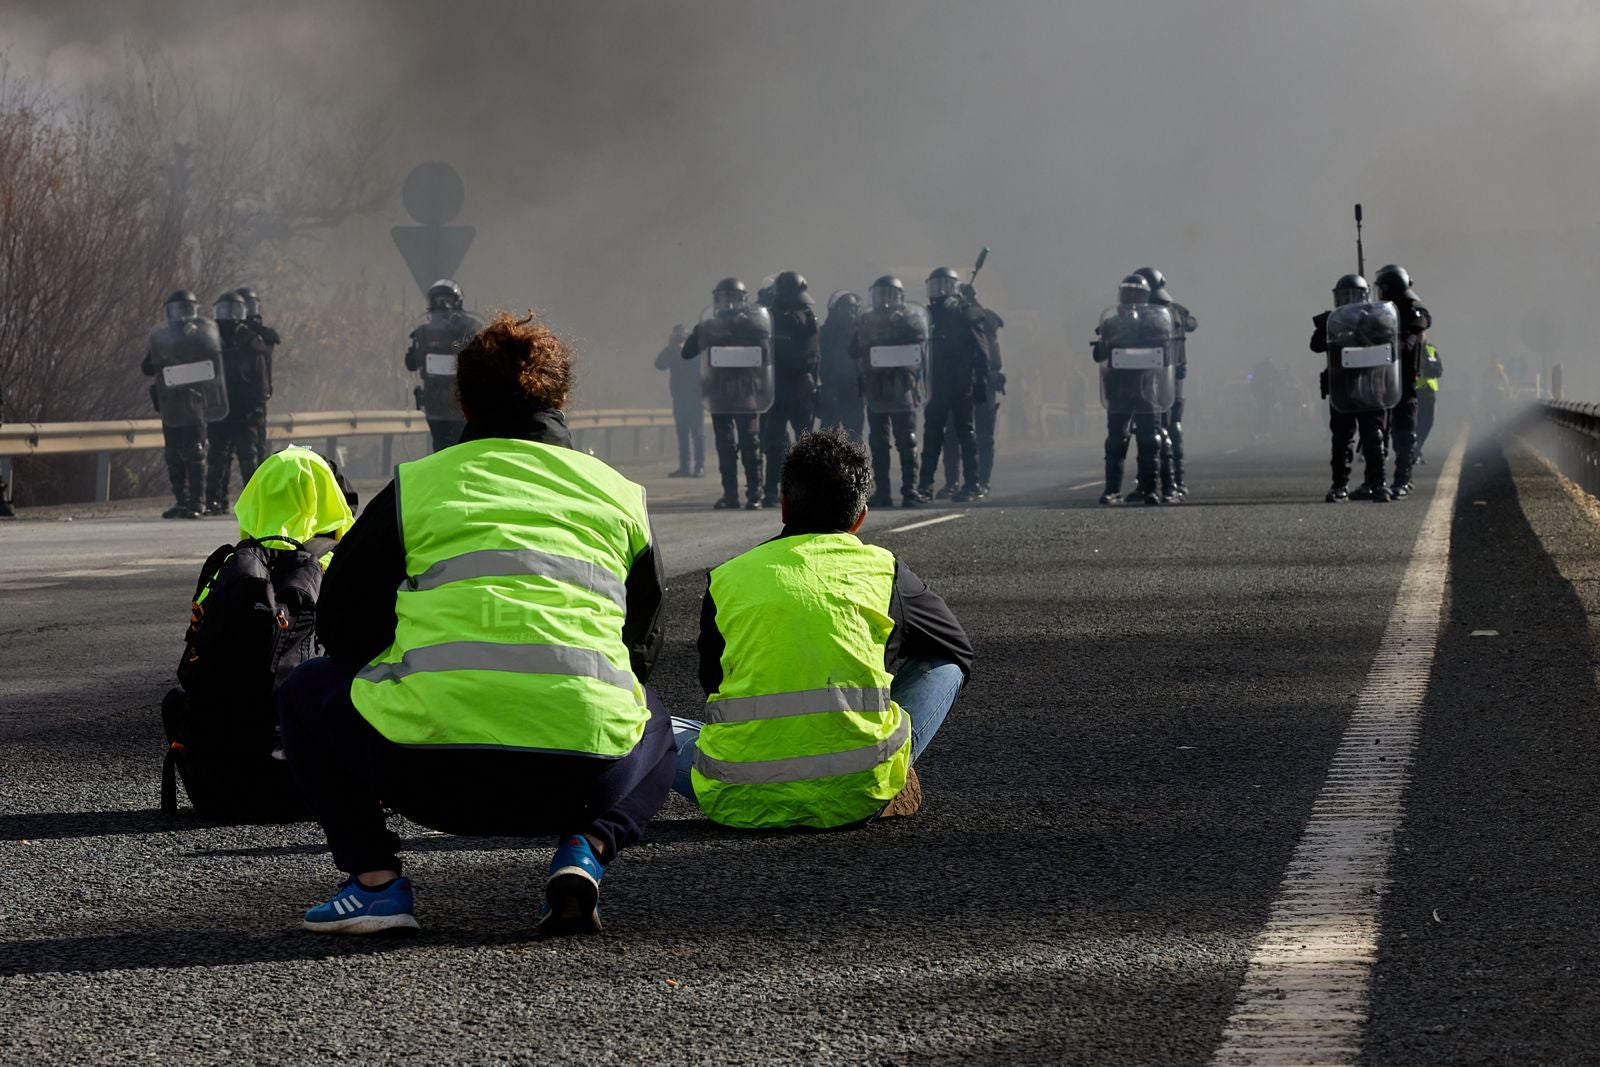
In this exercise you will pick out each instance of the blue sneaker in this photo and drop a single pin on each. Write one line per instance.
(572, 894)
(355, 909)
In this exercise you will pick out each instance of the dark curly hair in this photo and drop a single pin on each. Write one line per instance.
(513, 368)
(826, 481)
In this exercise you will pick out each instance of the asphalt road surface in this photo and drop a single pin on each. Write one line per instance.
(1110, 808)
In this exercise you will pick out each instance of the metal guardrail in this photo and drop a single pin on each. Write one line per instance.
(1569, 434)
(23, 439)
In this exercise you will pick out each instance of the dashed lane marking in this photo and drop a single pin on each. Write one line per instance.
(1305, 994)
(1084, 485)
(169, 561)
(924, 522)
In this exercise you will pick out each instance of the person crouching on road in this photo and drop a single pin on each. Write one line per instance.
(490, 621)
(828, 666)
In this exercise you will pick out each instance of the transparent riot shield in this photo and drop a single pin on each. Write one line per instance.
(895, 352)
(1137, 375)
(1363, 357)
(440, 339)
(191, 389)
(736, 372)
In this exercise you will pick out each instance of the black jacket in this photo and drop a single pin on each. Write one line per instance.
(796, 351)
(958, 351)
(245, 367)
(924, 626)
(356, 611)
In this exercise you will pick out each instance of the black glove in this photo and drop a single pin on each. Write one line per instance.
(417, 394)
(1323, 381)
(999, 382)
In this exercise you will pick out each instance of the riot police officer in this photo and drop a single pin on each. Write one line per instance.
(987, 412)
(434, 345)
(1173, 486)
(190, 391)
(1394, 285)
(1361, 382)
(269, 337)
(958, 380)
(6, 511)
(244, 365)
(840, 402)
(1428, 393)
(734, 341)
(890, 348)
(1135, 352)
(798, 363)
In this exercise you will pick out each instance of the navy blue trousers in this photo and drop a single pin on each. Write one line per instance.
(348, 773)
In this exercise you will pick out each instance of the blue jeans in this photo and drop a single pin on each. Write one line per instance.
(925, 690)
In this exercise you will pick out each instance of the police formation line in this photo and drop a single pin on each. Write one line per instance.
(768, 372)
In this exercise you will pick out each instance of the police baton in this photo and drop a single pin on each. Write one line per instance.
(1361, 254)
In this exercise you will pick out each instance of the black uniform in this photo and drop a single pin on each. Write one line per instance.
(258, 419)
(737, 438)
(1414, 322)
(984, 412)
(958, 371)
(840, 402)
(1123, 426)
(880, 424)
(688, 409)
(444, 331)
(243, 433)
(1172, 468)
(184, 450)
(1347, 427)
(797, 361)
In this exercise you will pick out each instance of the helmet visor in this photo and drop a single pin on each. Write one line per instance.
(181, 310)
(941, 287)
(887, 296)
(727, 298)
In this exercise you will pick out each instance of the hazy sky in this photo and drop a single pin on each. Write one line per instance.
(620, 157)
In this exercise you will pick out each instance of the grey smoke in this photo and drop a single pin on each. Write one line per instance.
(620, 157)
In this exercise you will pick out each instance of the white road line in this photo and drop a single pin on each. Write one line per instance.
(1085, 485)
(169, 561)
(1305, 995)
(924, 522)
(100, 572)
(1231, 451)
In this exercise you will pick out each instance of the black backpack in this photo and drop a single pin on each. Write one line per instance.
(253, 621)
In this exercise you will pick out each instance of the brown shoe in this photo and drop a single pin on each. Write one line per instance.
(906, 802)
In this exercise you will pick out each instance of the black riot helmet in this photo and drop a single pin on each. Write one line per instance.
(847, 302)
(229, 307)
(252, 303)
(788, 286)
(730, 292)
(1161, 296)
(1394, 283)
(943, 283)
(1350, 289)
(1133, 290)
(1154, 278)
(182, 306)
(444, 295)
(887, 292)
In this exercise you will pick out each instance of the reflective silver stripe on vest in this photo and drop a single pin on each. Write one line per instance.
(801, 702)
(488, 656)
(804, 768)
(505, 562)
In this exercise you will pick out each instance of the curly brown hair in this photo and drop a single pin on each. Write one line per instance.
(513, 368)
